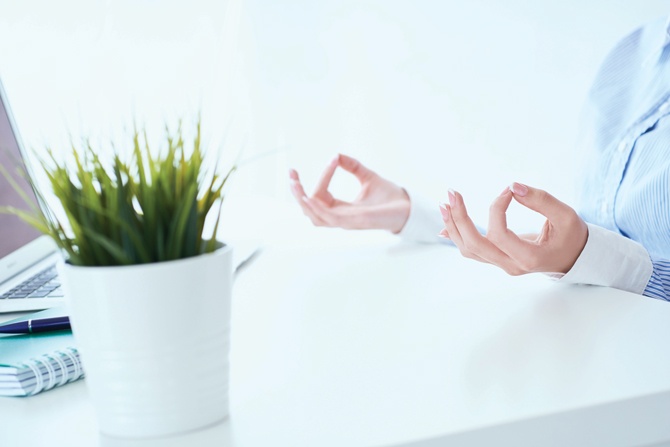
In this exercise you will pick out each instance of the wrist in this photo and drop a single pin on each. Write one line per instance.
(403, 205)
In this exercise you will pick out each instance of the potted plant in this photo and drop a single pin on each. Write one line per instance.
(149, 291)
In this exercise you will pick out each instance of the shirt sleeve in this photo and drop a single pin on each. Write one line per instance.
(612, 260)
(659, 283)
(424, 221)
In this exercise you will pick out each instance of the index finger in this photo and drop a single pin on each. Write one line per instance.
(498, 233)
(541, 202)
(354, 167)
(326, 177)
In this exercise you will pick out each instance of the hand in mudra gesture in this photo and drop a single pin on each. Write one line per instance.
(380, 204)
(554, 249)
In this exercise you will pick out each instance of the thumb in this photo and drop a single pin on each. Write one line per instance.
(541, 201)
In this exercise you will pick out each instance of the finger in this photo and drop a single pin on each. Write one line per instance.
(296, 187)
(324, 212)
(459, 213)
(293, 175)
(498, 210)
(563, 235)
(344, 215)
(354, 167)
(444, 234)
(473, 242)
(454, 234)
(309, 212)
(300, 196)
(542, 202)
(498, 233)
(326, 177)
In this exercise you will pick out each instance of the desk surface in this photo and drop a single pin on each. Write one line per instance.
(358, 339)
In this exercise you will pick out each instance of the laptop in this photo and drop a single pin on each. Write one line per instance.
(28, 279)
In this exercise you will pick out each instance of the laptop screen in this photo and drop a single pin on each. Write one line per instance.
(14, 233)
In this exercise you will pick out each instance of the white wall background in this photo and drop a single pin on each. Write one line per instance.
(434, 94)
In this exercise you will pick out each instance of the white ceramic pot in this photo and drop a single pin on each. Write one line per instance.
(154, 341)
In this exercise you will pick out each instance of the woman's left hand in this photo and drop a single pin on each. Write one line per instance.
(555, 249)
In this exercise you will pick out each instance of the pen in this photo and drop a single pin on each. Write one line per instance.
(34, 326)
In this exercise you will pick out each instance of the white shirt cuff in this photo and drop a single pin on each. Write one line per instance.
(424, 221)
(612, 260)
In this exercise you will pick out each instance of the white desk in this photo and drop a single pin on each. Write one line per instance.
(356, 340)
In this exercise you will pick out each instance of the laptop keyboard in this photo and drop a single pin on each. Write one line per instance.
(45, 284)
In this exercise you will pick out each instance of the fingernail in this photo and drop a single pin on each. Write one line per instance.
(452, 197)
(505, 191)
(519, 189)
(444, 209)
(443, 236)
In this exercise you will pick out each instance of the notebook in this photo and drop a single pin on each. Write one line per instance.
(28, 279)
(30, 364)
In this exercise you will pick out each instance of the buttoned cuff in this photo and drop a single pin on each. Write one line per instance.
(612, 260)
(424, 221)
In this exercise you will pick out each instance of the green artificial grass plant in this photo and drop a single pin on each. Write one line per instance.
(149, 209)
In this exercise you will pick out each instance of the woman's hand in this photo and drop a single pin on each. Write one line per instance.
(554, 249)
(380, 204)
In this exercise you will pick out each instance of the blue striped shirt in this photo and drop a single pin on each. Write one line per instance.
(626, 137)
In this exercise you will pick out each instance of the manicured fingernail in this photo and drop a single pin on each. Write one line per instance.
(519, 189)
(446, 212)
(452, 197)
(443, 236)
(505, 191)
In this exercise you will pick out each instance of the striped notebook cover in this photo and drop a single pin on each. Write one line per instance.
(30, 364)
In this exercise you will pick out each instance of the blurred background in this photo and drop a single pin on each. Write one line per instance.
(431, 94)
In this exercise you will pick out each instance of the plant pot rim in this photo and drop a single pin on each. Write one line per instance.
(222, 248)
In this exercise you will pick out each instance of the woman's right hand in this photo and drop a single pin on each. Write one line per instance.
(380, 204)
